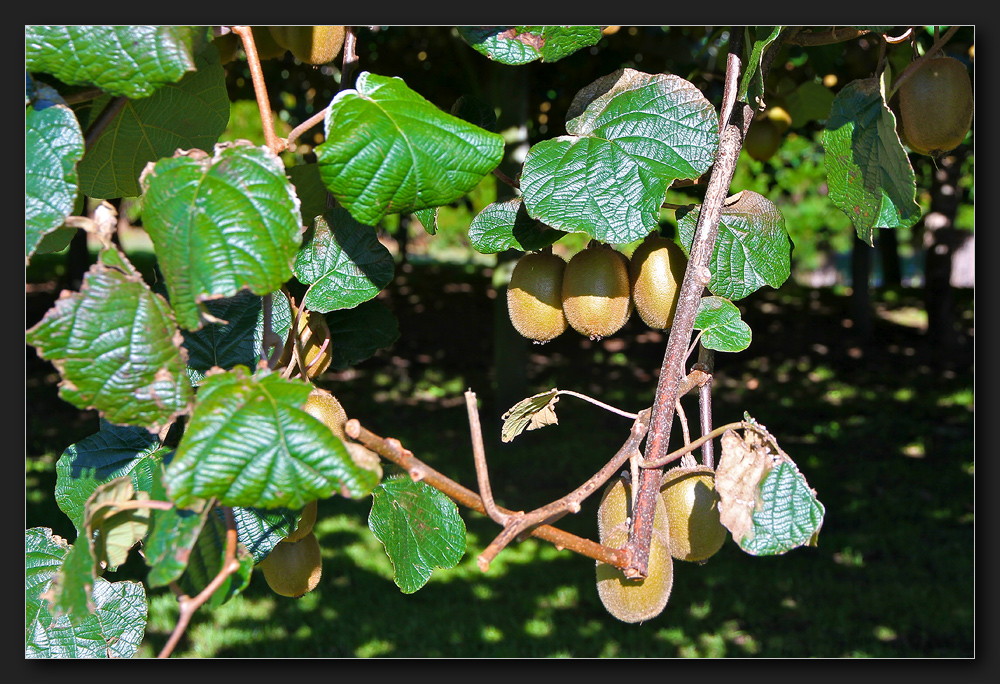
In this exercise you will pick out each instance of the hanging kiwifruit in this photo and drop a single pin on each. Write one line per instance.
(266, 46)
(293, 568)
(307, 520)
(324, 407)
(626, 599)
(935, 106)
(310, 44)
(656, 272)
(696, 530)
(313, 332)
(596, 294)
(534, 296)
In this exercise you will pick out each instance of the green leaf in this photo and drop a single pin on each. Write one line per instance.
(764, 500)
(752, 248)
(260, 529)
(190, 114)
(132, 61)
(476, 111)
(172, 535)
(113, 452)
(388, 150)
(114, 630)
(523, 44)
(250, 443)
(506, 225)
(116, 346)
(631, 135)
(206, 561)
(869, 174)
(530, 414)
(310, 190)
(428, 219)
(220, 224)
(357, 334)
(113, 530)
(810, 101)
(344, 262)
(419, 527)
(723, 329)
(53, 144)
(751, 88)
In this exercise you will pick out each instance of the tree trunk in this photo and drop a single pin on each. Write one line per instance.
(861, 306)
(941, 239)
(888, 245)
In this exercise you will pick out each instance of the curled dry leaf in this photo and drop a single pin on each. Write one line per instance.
(530, 414)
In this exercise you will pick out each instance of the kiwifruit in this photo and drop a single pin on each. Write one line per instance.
(310, 44)
(762, 140)
(534, 296)
(656, 272)
(227, 44)
(313, 331)
(779, 116)
(626, 599)
(696, 531)
(935, 106)
(596, 293)
(307, 520)
(293, 568)
(266, 46)
(324, 407)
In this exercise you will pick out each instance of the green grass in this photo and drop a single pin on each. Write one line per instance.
(885, 439)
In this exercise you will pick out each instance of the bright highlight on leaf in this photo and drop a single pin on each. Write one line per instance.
(388, 150)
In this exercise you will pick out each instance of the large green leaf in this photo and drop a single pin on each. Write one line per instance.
(721, 325)
(523, 44)
(506, 225)
(172, 534)
(419, 527)
(116, 346)
(869, 174)
(235, 340)
(388, 150)
(113, 452)
(250, 443)
(220, 224)
(189, 114)
(260, 529)
(343, 261)
(631, 135)
(114, 630)
(53, 144)
(132, 61)
(357, 334)
(752, 248)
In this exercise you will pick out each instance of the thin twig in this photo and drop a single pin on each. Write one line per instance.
(108, 114)
(189, 605)
(597, 402)
(306, 125)
(479, 454)
(834, 35)
(685, 430)
(349, 58)
(506, 179)
(688, 448)
(274, 143)
(706, 363)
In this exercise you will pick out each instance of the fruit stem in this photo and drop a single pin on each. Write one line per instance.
(274, 143)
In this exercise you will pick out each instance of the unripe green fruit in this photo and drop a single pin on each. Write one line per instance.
(293, 568)
(779, 116)
(313, 331)
(696, 531)
(656, 273)
(265, 44)
(227, 45)
(763, 139)
(324, 407)
(626, 599)
(596, 293)
(935, 106)
(307, 520)
(310, 44)
(534, 296)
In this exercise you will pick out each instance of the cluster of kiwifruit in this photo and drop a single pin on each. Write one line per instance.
(597, 290)
(294, 566)
(686, 526)
(310, 44)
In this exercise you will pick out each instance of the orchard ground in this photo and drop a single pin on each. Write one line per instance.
(882, 432)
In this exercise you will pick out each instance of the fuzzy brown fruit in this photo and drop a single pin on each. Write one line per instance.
(626, 599)
(313, 331)
(307, 520)
(266, 46)
(324, 407)
(935, 106)
(763, 139)
(696, 531)
(534, 296)
(596, 293)
(310, 44)
(293, 568)
(656, 272)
